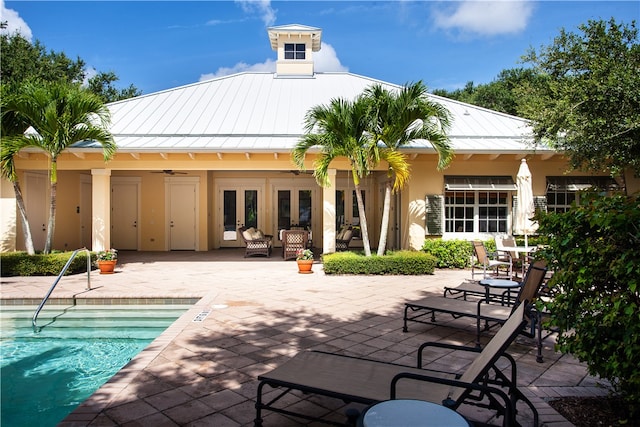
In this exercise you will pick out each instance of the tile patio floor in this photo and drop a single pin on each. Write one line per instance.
(263, 312)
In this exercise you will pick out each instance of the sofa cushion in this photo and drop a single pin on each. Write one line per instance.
(248, 233)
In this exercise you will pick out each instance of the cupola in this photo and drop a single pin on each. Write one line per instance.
(295, 45)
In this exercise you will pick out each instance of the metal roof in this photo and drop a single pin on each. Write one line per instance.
(255, 111)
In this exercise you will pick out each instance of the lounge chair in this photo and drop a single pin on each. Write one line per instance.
(292, 242)
(490, 261)
(367, 381)
(256, 242)
(495, 310)
(473, 290)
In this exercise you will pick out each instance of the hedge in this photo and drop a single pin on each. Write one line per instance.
(393, 263)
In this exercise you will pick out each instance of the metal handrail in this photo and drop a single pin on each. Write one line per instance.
(64, 269)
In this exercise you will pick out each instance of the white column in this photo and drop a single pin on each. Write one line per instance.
(100, 209)
(329, 214)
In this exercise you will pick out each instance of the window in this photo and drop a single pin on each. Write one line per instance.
(562, 191)
(492, 212)
(462, 208)
(459, 211)
(294, 51)
(477, 204)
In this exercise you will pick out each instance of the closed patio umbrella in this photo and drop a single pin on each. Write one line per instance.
(525, 208)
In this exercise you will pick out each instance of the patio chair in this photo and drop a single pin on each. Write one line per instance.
(343, 238)
(256, 242)
(490, 261)
(494, 310)
(367, 381)
(520, 260)
(292, 242)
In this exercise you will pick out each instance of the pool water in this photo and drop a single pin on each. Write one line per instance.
(45, 375)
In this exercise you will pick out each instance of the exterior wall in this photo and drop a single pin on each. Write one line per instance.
(295, 67)
(8, 217)
(633, 183)
(427, 180)
(271, 171)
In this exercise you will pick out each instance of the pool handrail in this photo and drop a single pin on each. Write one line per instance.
(64, 269)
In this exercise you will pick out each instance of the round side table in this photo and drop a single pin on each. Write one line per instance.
(507, 285)
(411, 413)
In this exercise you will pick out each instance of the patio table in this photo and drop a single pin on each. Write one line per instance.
(409, 412)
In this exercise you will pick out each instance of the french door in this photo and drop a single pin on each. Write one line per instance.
(238, 206)
(294, 207)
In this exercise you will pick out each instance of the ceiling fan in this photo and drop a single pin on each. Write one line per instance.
(169, 172)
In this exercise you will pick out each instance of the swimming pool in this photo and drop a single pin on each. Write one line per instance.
(46, 375)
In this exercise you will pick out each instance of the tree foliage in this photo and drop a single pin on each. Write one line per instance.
(23, 62)
(593, 250)
(60, 114)
(396, 119)
(339, 130)
(499, 95)
(102, 85)
(586, 101)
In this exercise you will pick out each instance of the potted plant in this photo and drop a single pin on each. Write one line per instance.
(304, 258)
(107, 260)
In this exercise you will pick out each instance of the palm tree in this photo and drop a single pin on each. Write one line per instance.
(11, 130)
(339, 130)
(397, 119)
(60, 114)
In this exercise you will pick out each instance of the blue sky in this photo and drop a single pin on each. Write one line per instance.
(157, 45)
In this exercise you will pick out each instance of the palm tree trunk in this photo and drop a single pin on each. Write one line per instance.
(26, 228)
(384, 227)
(52, 207)
(363, 222)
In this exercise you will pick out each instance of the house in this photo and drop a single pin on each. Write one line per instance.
(196, 162)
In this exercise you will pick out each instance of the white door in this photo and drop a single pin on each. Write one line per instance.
(182, 210)
(85, 212)
(36, 202)
(238, 206)
(124, 214)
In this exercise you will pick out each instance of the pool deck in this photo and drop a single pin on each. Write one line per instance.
(261, 312)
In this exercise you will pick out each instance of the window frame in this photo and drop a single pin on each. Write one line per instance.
(464, 208)
(295, 51)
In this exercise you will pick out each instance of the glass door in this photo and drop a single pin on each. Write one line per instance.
(240, 206)
(294, 209)
(347, 212)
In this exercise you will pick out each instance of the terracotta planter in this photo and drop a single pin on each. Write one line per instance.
(304, 266)
(107, 267)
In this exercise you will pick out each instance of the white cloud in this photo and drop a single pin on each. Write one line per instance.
(260, 7)
(14, 24)
(267, 66)
(325, 60)
(485, 17)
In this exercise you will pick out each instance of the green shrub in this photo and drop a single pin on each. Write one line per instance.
(22, 264)
(594, 249)
(397, 263)
(449, 253)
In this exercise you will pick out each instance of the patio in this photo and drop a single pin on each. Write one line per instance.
(260, 313)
